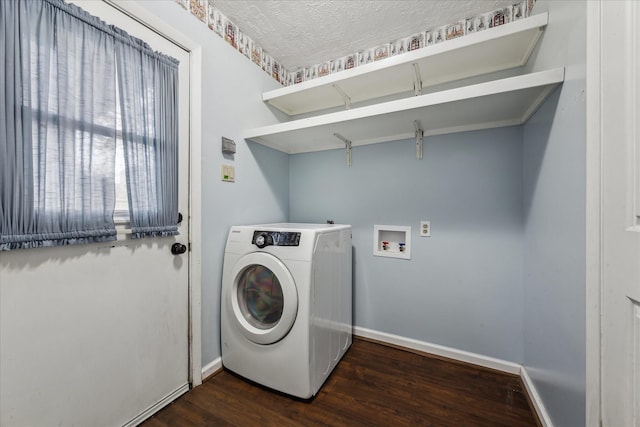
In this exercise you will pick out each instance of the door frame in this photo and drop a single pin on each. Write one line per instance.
(593, 214)
(159, 26)
(594, 226)
(597, 45)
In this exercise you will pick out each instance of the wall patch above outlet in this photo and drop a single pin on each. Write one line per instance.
(228, 146)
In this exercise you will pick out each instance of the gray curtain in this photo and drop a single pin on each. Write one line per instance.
(148, 89)
(58, 124)
(57, 116)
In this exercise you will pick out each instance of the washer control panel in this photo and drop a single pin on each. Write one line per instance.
(276, 238)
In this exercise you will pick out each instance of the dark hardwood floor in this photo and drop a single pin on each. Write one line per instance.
(374, 385)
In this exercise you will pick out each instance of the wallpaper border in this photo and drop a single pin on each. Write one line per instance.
(209, 15)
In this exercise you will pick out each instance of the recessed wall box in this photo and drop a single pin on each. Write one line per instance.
(393, 241)
(228, 146)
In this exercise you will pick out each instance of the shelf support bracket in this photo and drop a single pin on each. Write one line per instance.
(345, 97)
(417, 80)
(347, 146)
(419, 137)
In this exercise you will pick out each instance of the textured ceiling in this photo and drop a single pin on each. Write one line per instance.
(300, 33)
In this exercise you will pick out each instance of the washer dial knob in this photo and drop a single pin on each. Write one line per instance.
(263, 240)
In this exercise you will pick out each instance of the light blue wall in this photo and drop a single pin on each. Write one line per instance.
(231, 102)
(463, 287)
(467, 286)
(554, 222)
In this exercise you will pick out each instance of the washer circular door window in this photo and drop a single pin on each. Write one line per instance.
(264, 298)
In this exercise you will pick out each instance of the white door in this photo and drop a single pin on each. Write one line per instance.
(97, 335)
(620, 92)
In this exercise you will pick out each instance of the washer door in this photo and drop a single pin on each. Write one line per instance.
(264, 298)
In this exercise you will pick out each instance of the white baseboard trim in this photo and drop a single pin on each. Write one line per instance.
(440, 350)
(161, 404)
(543, 415)
(211, 367)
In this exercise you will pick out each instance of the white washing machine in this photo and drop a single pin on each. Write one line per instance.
(286, 308)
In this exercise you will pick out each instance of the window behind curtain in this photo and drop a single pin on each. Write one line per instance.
(60, 115)
(58, 112)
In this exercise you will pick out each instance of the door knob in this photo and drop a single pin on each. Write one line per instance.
(178, 248)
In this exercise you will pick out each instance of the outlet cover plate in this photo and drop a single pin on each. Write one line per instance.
(228, 173)
(425, 228)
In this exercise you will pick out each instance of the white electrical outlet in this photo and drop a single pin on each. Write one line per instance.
(425, 228)
(228, 173)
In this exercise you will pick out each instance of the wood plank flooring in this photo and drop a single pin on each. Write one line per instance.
(374, 385)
